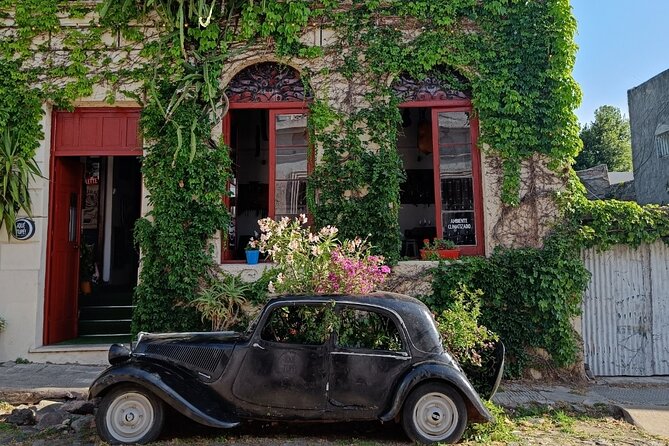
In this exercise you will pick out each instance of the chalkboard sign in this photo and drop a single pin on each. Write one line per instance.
(459, 227)
(24, 229)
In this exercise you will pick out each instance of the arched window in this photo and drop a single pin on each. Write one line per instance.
(442, 195)
(266, 130)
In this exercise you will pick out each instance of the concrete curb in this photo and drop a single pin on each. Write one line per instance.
(652, 419)
(33, 396)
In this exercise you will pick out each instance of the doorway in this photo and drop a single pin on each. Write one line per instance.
(109, 258)
(95, 200)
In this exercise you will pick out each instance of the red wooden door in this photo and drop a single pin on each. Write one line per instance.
(63, 261)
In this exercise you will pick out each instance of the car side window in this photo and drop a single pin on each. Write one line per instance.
(302, 324)
(369, 330)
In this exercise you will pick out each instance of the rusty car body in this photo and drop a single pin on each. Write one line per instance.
(334, 358)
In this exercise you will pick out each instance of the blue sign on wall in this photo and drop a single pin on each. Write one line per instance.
(24, 229)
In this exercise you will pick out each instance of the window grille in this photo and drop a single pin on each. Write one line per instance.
(662, 144)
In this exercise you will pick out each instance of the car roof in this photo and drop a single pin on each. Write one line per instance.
(414, 314)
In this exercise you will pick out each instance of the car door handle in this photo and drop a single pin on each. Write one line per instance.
(256, 345)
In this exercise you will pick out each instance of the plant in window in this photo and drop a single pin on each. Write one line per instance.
(439, 249)
(252, 252)
(309, 262)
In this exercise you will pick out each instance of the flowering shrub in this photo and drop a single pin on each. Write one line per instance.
(318, 263)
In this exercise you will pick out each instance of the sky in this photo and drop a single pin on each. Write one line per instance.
(622, 44)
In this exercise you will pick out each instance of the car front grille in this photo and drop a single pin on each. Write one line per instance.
(202, 358)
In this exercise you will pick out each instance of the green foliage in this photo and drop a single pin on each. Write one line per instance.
(358, 188)
(185, 189)
(607, 140)
(530, 297)
(17, 171)
(604, 223)
(499, 430)
(515, 58)
(459, 326)
(223, 303)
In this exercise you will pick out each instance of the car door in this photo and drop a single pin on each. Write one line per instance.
(368, 355)
(286, 364)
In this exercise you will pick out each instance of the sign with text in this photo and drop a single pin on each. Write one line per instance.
(24, 229)
(459, 227)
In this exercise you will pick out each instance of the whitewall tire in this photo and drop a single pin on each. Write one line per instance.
(434, 413)
(129, 414)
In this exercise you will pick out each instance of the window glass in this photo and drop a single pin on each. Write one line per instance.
(290, 185)
(305, 324)
(456, 178)
(360, 329)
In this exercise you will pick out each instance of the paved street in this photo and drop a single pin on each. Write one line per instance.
(582, 414)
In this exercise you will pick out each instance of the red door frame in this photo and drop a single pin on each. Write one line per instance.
(274, 108)
(456, 105)
(82, 151)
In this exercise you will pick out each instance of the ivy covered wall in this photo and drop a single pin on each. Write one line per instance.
(174, 58)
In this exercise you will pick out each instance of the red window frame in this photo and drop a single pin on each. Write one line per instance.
(274, 109)
(457, 105)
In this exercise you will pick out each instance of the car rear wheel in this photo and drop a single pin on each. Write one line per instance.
(129, 415)
(434, 413)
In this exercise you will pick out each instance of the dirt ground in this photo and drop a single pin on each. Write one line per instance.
(538, 426)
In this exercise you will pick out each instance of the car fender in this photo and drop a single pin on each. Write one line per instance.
(434, 371)
(174, 387)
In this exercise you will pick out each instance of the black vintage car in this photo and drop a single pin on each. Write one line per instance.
(334, 358)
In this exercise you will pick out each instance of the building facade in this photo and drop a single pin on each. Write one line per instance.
(649, 121)
(92, 192)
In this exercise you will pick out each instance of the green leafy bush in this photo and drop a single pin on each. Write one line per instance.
(529, 297)
(459, 326)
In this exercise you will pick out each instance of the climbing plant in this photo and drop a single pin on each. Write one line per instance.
(514, 57)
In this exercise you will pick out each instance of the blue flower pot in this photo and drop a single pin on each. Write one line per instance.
(252, 256)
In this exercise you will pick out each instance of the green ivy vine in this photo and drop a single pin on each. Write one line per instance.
(515, 58)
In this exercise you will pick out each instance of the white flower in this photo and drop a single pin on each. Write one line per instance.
(279, 278)
(303, 218)
(316, 251)
(270, 287)
(313, 238)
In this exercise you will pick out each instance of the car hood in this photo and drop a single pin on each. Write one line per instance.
(189, 338)
(204, 354)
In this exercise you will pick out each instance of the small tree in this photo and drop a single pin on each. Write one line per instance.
(606, 141)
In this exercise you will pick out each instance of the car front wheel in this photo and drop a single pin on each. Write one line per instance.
(129, 415)
(434, 413)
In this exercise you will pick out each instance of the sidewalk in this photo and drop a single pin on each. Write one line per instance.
(643, 401)
(31, 383)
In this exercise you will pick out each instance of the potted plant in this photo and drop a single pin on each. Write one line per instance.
(252, 252)
(86, 268)
(439, 249)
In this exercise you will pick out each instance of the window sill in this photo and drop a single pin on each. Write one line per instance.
(248, 273)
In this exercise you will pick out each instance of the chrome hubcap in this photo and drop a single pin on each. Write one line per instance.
(435, 416)
(129, 417)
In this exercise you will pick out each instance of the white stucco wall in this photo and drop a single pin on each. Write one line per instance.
(22, 269)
